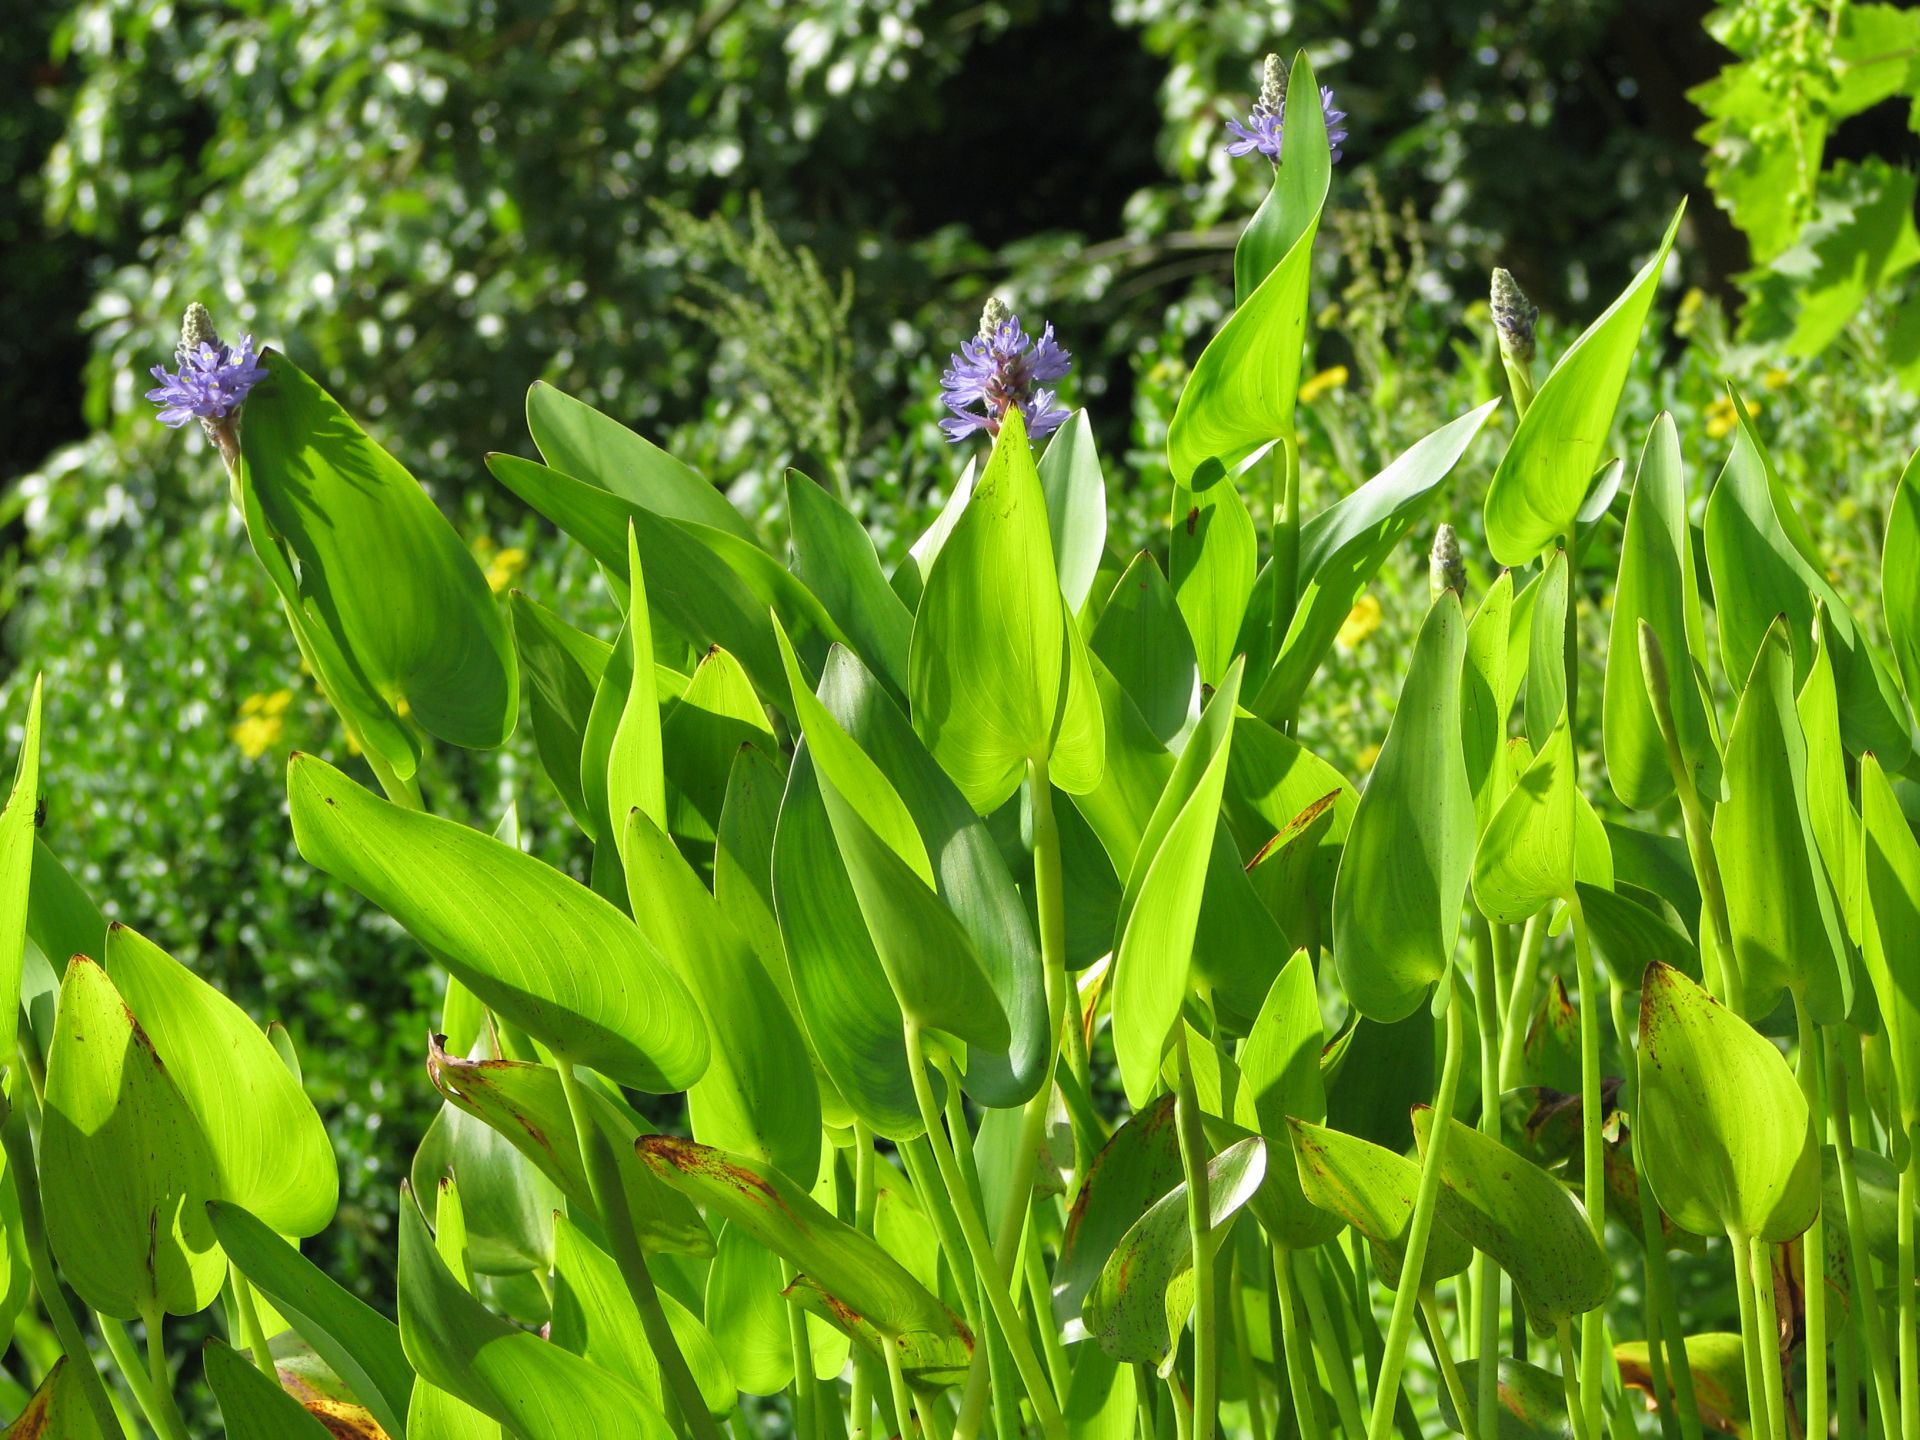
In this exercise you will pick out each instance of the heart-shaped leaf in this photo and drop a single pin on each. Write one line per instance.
(1212, 557)
(834, 556)
(1726, 1139)
(562, 667)
(1373, 1190)
(16, 873)
(1526, 859)
(1409, 852)
(1139, 1163)
(1280, 1077)
(1891, 929)
(1143, 640)
(390, 607)
(252, 1404)
(540, 949)
(1076, 491)
(1537, 492)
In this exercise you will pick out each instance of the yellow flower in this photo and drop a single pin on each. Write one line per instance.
(1334, 378)
(1367, 756)
(1361, 622)
(1723, 419)
(502, 566)
(1776, 379)
(262, 722)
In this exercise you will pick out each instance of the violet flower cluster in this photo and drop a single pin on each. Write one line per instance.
(1000, 368)
(211, 382)
(1266, 124)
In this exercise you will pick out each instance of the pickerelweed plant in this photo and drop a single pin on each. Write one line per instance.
(887, 863)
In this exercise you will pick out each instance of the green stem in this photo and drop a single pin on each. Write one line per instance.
(1206, 1319)
(1443, 1357)
(973, 1232)
(1526, 977)
(1243, 1351)
(616, 1220)
(1904, 1284)
(1814, 1246)
(250, 1326)
(923, 1171)
(806, 1423)
(1866, 1300)
(154, 1323)
(1306, 1408)
(1570, 1383)
(1750, 1336)
(865, 1198)
(1767, 1322)
(902, 1400)
(1335, 1357)
(33, 1233)
(1413, 1267)
(1593, 1352)
(1284, 538)
(1486, 1277)
(157, 1405)
(1040, 1298)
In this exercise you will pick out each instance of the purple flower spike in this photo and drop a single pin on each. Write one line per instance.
(1266, 123)
(999, 368)
(212, 380)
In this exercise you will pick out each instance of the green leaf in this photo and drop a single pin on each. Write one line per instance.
(540, 949)
(1546, 674)
(1488, 683)
(754, 1096)
(1526, 1220)
(1375, 1073)
(1076, 491)
(1526, 859)
(1629, 926)
(562, 668)
(1139, 1163)
(636, 775)
(1786, 933)
(840, 1262)
(62, 921)
(577, 440)
(1242, 391)
(710, 585)
(252, 1404)
(1657, 584)
(526, 1103)
(1533, 1402)
(1160, 911)
(389, 606)
(1552, 1046)
(533, 1388)
(1763, 565)
(1409, 852)
(1275, 789)
(1212, 558)
(507, 1204)
(58, 1410)
(1145, 1291)
(16, 875)
(270, 1151)
(124, 1168)
(1900, 575)
(745, 1313)
(1343, 547)
(1279, 1078)
(1836, 824)
(595, 1318)
(1373, 1190)
(359, 1344)
(1542, 480)
(1143, 640)
(432, 1411)
(1725, 1136)
(1890, 926)
(1717, 1362)
(834, 557)
(705, 732)
(998, 672)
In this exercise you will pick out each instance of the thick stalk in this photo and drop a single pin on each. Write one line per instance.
(1767, 1321)
(1284, 538)
(1750, 1336)
(1306, 1410)
(1399, 1328)
(1335, 1358)
(1040, 1298)
(1526, 978)
(806, 1423)
(1593, 1148)
(1443, 1357)
(923, 1171)
(616, 1220)
(865, 1197)
(1486, 1277)
(156, 1404)
(250, 1326)
(973, 1232)
(154, 1323)
(1206, 1316)
(1243, 1351)
(1909, 1243)
(1570, 1383)
(33, 1233)
(1814, 1246)
(1866, 1300)
(902, 1401)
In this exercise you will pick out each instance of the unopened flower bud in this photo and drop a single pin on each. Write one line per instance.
(197, 329)
(993, 315)
(1446, 570)
(1273, 86)
(1513, 316)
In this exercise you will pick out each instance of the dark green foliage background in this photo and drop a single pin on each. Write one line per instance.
(431, 203)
